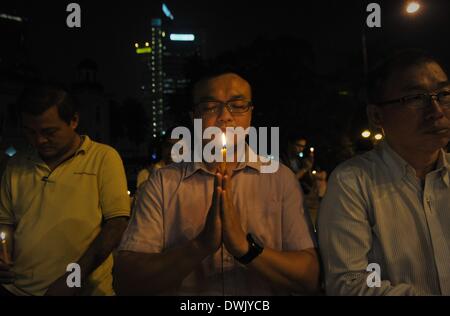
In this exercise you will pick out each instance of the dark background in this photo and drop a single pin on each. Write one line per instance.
(303, 59)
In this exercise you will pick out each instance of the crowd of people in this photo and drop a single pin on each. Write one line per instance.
(208, 228)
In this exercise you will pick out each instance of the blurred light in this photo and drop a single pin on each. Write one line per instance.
(147, 44)
(182, 37)
(412, 7)
(343, 93)
(145, 50)
(11, 17)
(136, 45)
(314, 172)
(378, 136)
(300, 155)
(366, 134)
(166, 11)
(163, 34)
(154, 155)
(311, 149)
(11, 151)
(129, 192)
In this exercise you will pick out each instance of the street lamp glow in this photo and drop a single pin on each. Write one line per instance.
(366, 134)
(378, 136)
(412, 7)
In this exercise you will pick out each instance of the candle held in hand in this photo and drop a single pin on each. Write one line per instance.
(223, 166)
(4, 248)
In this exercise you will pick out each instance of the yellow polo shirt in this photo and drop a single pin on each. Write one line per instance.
(58, 214)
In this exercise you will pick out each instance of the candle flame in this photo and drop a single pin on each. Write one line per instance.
(2, 236)
(413, 7)
(224, 140)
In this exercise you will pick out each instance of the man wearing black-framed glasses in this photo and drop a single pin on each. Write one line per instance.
(200, 230)
(391, 207)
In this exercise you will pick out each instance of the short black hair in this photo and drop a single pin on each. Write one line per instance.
(383, 70)
(213, 70)
(38, 98)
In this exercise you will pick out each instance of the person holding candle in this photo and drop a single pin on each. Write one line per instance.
(5, 253)
(6, 275)
(64, 201)
(203, 228)
(300, 159)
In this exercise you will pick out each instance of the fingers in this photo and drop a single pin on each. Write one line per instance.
(224, 205)
(218, 180)
(217, 186)
(217, 201)
(226, 183)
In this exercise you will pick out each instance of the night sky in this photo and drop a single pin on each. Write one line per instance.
(110, 29)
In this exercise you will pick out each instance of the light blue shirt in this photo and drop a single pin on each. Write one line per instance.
(376, 211)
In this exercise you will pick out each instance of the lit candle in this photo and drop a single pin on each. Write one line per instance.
(223, 166)
(4, 248)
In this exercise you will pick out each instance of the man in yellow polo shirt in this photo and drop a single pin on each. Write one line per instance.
(65, 201)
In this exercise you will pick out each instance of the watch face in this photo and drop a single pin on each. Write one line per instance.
(257, 241)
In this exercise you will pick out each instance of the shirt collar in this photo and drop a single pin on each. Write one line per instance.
(85, 145)
(193, 167)
(400, 168)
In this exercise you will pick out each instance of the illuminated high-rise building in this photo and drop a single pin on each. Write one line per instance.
(165, 57)
(157, 78)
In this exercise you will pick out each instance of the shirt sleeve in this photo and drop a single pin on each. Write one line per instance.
(114, 198)
(6, 208)
(145, 232)
(297, 229)
(345, 239)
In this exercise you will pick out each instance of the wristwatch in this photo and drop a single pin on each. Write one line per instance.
(254, 250)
